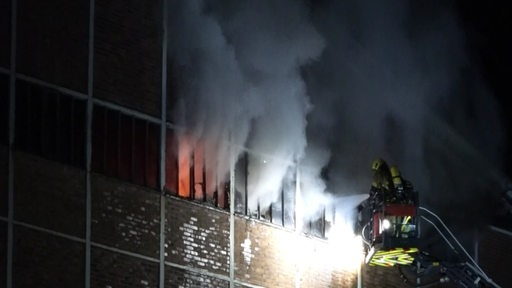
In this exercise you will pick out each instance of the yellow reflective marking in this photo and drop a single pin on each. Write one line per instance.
(397, 256)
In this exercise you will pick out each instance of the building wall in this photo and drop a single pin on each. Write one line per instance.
(44, 260)
(493, 254)
(4, 170)
(49, 227)
(52, 41)
(5, 34)
(49, 240)
(51, 246)
(197, 236)
(48, 194)
(3, 252)
(112, 269)
(128, 54)
(270, 256)
(125, 216)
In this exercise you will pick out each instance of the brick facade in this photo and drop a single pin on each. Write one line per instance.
(52, 41)
(127, 54)
(4, 172)
(3, 251)
(494, 250)
(5, 34)
(126, 219)
(269, 256)
(110, 269)
(197, 236)
(44, 260)
(125, 216)
(179, 278)
(49, 195)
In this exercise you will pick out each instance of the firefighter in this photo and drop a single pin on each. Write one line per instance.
(382, 180)
(398, 184)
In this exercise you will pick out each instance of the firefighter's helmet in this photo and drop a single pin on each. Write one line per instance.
(394, 171)
(377, 163)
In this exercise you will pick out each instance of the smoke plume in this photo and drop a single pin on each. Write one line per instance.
(241, 83)
(332, 85)
(396, 81)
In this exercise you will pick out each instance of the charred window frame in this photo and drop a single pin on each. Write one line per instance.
(4, 109)
(188, 175)
(281, 212)
(316, 226)
(50, 124)
(125, 147)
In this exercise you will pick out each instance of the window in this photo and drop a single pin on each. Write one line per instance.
(191, 172)
(50, 124)
(281, 212)
(125, 147)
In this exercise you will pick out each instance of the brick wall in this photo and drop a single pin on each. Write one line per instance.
(493, 254)
(52, 41)
(44, 260)
(127, 53)
(197, 236)
(113, 270)
(125, 216)
(178, 278)
(3, 252)
(272, 257)
(5, 33)
(49, 194)
(375, 276)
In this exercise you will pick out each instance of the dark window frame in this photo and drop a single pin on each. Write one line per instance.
(125, 147)
(39, 129)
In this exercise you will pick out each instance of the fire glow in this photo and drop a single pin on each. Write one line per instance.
(346, 248)
(342, 251)
(195, 174)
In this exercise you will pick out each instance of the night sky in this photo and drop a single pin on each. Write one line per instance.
(487, 26)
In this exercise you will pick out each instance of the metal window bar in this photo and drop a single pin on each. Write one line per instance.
(72, 133)
(204, 177)
(42, 140)
(282, 206)
(191, 176)
(246, 184)
(105, 128)
(146, 153)
(118, 150)
(268, 213)
(323, 222)
(177, 163)
(216, 193)
(58, 148)
(132, 176)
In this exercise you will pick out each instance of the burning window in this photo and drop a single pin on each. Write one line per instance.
(280, 212)
(50, 124)
(191, 171)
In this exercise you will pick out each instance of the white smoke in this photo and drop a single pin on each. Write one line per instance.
(240, 82)
(366, 78)
(396, 81)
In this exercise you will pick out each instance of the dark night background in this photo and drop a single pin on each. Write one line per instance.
(487, 27)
